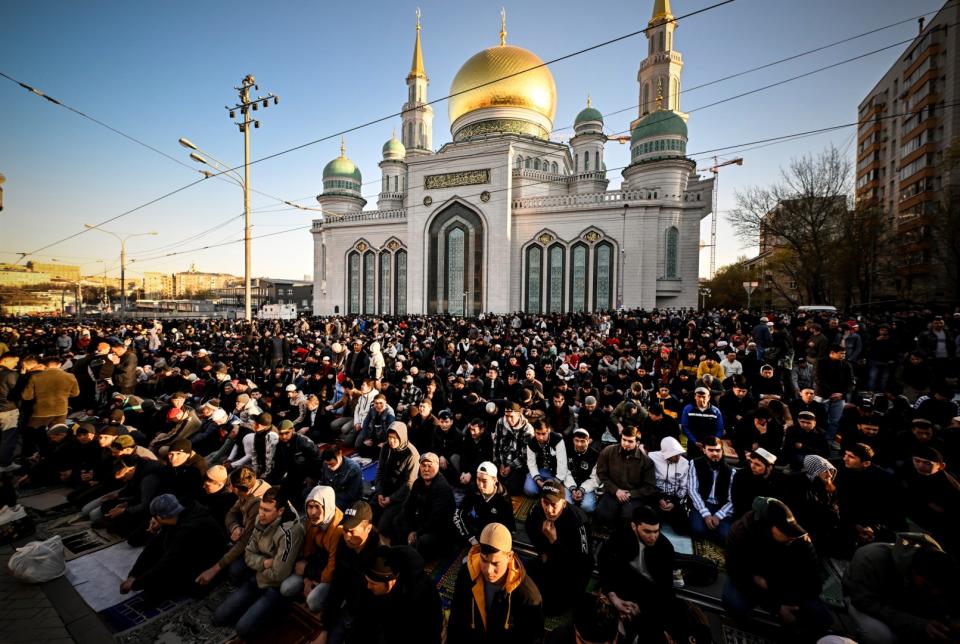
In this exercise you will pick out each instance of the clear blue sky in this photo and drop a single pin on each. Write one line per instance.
(159, 71)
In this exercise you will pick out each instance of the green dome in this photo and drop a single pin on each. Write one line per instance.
(342, 168)
(588, 114)
(393, 149)
(659, 123)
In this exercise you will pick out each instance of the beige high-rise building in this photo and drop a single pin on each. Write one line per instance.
(56, 270)
(157, 285)
(193, 281)
(907, 121)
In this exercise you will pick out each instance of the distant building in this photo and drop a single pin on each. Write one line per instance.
(56, 270)
(13, 275)
(905, 127)
(193, 281)
(157, 285)
(270, 290)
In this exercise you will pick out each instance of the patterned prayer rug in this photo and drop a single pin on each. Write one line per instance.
(189, 622)
(710, 550)
(521, 507)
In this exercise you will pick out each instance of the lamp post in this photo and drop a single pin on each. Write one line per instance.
(123, 262)
(245, 106)
(705, 293)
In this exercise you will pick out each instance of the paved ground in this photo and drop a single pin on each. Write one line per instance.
(52, 613)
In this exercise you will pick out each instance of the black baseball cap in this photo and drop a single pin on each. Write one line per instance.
(356, 514)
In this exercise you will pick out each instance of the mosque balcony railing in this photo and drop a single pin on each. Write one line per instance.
(578, 201)
(661, 57)
(540, 176)
(398, 214)
(399, 196)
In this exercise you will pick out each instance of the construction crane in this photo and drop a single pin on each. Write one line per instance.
(717, 164)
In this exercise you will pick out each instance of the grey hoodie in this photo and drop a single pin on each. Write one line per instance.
(398, 468)
(326, 497)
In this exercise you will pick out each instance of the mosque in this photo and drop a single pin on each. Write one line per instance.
(504, 219)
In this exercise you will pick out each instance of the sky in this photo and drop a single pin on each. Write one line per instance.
(165, 70)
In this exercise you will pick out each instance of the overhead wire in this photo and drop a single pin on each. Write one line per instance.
(784, 137)
(578, 52)
(334, 135)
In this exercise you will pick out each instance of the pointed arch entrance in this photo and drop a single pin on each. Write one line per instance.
(455, 261)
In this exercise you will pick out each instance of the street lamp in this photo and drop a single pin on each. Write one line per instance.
(204, 157)
(123, 262)
(705, 293)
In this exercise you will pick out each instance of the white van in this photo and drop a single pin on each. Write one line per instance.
(817, 309)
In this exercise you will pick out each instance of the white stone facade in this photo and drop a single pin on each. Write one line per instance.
(459, 234)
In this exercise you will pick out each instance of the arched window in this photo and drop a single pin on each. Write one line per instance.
(534, 279)
(400, 283)
(536, 164)
(369, 283)
(578, 278)
(553, 167)
(672, 244)
(555, 278)
(455, 262)
(526, 163)
(396, 184)
(518, 162)
(409, 142)
(353, 283)
(660, 41)
(596, 160)
(576, 163)
(646, 98)
(385, 260)
(422, 142)
(586, 162)
(603, 276)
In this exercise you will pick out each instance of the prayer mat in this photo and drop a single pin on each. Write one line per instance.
(444, 574)
(521, 507)
(97, 576)
(729, 452)
(297, 626)
(832, 592)
(186, 623)
(710, 550)
(45, 498)
(79, 538)
(736, 635)
(132, 613)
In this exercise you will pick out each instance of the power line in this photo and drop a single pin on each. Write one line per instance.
(363, 125)
(769, 140)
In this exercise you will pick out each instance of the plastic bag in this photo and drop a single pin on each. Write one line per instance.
(38, 561)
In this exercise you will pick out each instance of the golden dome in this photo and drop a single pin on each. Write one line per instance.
(533, 90)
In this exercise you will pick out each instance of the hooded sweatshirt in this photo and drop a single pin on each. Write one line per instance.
(672, 478)
(321, 540)
(397, 468)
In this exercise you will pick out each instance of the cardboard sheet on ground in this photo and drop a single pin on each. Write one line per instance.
(46, 499)
(682, 545)
(97, 576)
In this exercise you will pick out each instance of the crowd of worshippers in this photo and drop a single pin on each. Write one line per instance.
(234, 451)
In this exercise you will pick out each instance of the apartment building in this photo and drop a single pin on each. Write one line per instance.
(906, 123)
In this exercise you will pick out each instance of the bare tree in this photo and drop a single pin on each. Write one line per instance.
(946, 222)
(862, 254)
(801, 213)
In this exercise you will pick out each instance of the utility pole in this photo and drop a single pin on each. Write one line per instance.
(245, 106)
(623, 256)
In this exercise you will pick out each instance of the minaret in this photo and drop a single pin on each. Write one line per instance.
(417, 133)
(660, 70)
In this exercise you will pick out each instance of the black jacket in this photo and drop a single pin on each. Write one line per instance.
(475, 512)
(180, 552)
(616, 573)
(571, 551)
(429, 508)
(349, 583)
(515, 615)
(8, 384)
(410, 612)
(792, 570)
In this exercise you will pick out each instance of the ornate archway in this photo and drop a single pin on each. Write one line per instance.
(455, 261)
